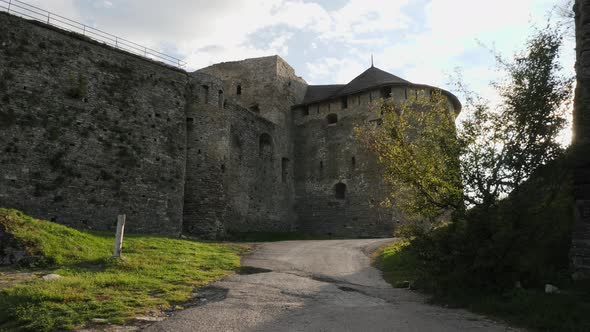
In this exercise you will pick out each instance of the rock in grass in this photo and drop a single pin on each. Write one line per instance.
(99, 320)
(50, 277)
(402, 284)
(550, 289)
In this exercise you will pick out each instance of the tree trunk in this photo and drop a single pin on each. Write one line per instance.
(580, 251)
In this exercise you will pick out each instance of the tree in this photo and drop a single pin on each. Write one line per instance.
(433, 169)
(416, 144)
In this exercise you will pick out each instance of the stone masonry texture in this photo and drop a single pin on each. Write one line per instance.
(88, 132)
(581, 143)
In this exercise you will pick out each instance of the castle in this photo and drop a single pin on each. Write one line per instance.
(88, 132)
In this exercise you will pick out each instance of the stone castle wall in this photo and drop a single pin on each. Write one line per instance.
(88, 132)
(581, 142)
(328, 156)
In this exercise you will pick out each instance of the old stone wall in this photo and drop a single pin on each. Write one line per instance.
(581, 236)
(207, 151)
(88, 132)
(330, 160)
(260, 171)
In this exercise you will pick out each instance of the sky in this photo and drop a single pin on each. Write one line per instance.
(331, 41)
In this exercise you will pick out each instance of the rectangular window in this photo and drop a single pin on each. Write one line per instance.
(344, 102)
(284, 170)
(206, 99)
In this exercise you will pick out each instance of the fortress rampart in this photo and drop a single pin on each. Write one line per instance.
(88, 131)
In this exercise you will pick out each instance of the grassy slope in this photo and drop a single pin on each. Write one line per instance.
(156, 272)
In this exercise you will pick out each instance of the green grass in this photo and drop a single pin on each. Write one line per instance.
(398, 265)
(529, 308)
(155, 272)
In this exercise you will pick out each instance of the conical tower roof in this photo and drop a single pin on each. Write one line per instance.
(370, 78)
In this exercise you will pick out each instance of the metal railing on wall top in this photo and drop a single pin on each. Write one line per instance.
(25, 10)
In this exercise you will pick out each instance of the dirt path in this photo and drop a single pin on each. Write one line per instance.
(316, 286)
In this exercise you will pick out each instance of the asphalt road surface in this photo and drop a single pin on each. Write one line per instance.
(316, 286)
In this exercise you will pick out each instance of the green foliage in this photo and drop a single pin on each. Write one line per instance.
(398, 263)
(503, 146)
(155, 272)
(476, 262)
(417, 146)
(524, 238)
(78, 86)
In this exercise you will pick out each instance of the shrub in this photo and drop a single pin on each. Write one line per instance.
(523, 238)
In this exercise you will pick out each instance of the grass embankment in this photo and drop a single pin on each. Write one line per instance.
(155, 272)
(529, 308)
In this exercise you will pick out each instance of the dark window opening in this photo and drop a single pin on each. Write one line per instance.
(265, 146)
(306, 111)
(190, 120)
(406, 93)
(206, 99)
(353, 161)
(340, 191)
(332, 118)
(222, 168)
(239, 90)
(321, 165)
(344, 102)
(220, 99)
(385, 92)
(284, 169)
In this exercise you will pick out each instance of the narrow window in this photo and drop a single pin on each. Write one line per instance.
(340, 191)
(206, 90)
(385, 92)
(306, 111)
(265, 146)
(406, 93)
(220, 99)
(284, 169)
(239, 89)
(344, 102)
(332, 118)
(353, 162)
(321, 165)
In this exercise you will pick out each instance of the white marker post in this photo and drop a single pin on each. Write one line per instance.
(119, 235)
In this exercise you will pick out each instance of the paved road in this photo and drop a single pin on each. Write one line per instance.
(316, 286)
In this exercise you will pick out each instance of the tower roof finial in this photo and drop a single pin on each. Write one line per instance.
(372, 60)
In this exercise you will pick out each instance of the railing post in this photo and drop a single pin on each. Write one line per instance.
(48, 13)
(9, 2)
(116, 42)
(84, 29)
